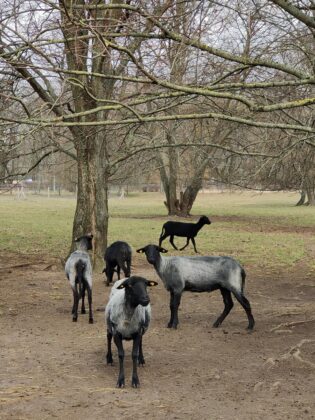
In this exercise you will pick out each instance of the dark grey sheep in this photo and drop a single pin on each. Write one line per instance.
(200, 274)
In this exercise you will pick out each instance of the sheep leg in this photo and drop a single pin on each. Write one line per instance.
(141, 360)
(118, 272)
(121, 355)
(172, 242)
(109, 275)
(109, 356)
(246, 305)
(89, 291)
(228, 305)
(135, 383)
(75, 305)
(194, 244)
(125, 269)
(128, 262)
(185, 245)
(162, 237)
(169, 325)
(174, 304)
(83, 296)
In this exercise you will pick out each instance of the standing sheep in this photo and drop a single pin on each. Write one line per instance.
(79, 273)
(200, 274)
(127, 315)
(187, 230)
(118, 254)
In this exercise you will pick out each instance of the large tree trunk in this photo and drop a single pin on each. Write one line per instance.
(91, 213)
(309, 185)
(310, 196)
(302, 199)
(182, 206)
(188, 197)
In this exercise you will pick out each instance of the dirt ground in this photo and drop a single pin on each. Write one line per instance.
(54, 368)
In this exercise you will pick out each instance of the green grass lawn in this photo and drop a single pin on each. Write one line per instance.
(43, 225)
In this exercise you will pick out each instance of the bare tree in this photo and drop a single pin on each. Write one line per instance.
(96, 66)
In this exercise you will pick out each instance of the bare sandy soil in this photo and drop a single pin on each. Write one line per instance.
(54, 368)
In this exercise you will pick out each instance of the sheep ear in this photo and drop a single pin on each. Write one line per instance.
(152, 283)
(163, 250)
(140, 250)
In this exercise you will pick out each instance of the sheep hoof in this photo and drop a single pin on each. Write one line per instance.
(135, 383)
(91, 321)
(74, 319)
(83, 311)
(141, 362)
(216, 324)
(121, 383)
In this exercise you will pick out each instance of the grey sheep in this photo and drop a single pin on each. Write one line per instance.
(199, 274)
(78, 270)
(128, 315)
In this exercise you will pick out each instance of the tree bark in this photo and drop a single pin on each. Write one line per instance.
(91, 214)
(302, 199)
(310, 196)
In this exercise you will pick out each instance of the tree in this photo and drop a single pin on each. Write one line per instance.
(99, 69)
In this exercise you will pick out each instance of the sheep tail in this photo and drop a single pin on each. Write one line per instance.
(80, 268)
(243, 274)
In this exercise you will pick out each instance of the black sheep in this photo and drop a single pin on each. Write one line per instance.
(188, 230)
(118, 254)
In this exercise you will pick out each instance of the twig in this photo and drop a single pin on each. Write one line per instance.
(291, 324)
(294, 352)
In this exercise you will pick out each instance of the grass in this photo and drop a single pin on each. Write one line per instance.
(251, 227)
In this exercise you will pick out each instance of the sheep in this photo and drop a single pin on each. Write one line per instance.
(127, 315)
(200, 274)
(188, 230)
(117, 254)
(79, 272)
